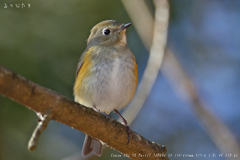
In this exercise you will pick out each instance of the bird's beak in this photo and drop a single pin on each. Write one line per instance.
(125, 26)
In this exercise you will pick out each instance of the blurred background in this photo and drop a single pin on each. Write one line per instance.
(44, 40)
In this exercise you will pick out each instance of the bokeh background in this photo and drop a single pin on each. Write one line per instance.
(44, 42)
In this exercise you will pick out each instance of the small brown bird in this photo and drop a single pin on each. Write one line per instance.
(106, 76)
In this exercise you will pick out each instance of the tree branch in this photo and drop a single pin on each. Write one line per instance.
(64, 110)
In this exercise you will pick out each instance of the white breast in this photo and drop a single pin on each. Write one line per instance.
(115, 75)
(117, 93)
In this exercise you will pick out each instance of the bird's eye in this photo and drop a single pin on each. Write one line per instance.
(106, 31)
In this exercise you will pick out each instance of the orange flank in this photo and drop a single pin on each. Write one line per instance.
(135, 71)
(83, 72)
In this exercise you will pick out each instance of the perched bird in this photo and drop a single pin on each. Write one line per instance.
(106, 76)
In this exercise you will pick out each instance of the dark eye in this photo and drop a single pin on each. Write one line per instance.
(106, 31)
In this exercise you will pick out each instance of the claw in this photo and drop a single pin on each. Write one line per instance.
(105, 114)
(129, 131)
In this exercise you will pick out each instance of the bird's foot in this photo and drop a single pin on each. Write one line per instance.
(129, 131)
(105, 114)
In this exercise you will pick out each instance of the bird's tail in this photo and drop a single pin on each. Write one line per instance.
(91, 145)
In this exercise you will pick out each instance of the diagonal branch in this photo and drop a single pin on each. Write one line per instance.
(62, 109)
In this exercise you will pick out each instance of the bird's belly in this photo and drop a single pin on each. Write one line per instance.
(113, 86)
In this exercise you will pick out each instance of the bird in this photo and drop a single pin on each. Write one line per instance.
(106, 75)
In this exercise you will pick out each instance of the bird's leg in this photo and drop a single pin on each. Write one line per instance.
(129, 131)
(105, 114)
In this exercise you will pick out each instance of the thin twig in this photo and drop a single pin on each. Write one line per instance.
(42, 124)
(154, 61)
(156, 51)
(142, 20)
